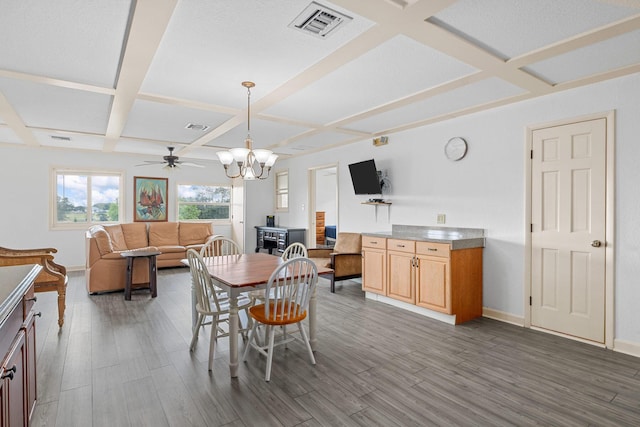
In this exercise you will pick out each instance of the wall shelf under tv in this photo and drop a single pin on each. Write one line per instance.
(376, 204)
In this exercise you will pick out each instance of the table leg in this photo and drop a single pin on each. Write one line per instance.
(153, 276)
(313, 339)
(233, 334)
(127, 286)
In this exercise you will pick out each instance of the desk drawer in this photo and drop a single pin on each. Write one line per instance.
(408, 246)
(374, 242)
(433, 249)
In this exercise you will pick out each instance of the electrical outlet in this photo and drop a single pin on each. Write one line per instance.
(442, 218)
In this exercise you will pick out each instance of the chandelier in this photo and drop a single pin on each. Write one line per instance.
(251, 163)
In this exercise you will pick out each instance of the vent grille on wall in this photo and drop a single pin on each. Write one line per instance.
(319, 20)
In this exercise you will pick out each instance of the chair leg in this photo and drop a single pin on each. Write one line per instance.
(267, 375)
(307, 343)
(196, 331)
(252, 337)
(212, 341)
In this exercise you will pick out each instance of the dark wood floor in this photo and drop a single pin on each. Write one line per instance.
(117, 363)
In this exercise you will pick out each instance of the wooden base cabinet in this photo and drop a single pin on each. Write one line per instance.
(374, 265)
(427, 274)
(401, 270)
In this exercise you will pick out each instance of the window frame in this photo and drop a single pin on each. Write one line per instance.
(53, 196)
(215, 221)
(279, 192)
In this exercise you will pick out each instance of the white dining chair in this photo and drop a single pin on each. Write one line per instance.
(208, 304)
(287, 296)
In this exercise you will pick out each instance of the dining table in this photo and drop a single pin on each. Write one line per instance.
(237, 274)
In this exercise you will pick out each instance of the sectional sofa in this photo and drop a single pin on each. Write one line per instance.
(105, 266)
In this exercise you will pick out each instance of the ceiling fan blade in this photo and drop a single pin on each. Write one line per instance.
(150, 162)
(191, 164)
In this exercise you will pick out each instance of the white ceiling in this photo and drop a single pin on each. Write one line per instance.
(128, 76)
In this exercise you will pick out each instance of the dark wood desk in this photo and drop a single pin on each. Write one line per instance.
(153, 278)
(242, 273)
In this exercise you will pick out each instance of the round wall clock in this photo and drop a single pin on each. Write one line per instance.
(456, 148)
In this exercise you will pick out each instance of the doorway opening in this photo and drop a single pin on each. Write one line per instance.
(323, 206)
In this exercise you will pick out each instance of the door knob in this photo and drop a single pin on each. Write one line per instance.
(596, 243)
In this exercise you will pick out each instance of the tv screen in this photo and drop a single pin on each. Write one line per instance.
(365, 177)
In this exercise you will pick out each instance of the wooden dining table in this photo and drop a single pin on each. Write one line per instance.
(237, 274)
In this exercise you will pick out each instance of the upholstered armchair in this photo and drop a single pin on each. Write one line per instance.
(52, 277)
(345, 258)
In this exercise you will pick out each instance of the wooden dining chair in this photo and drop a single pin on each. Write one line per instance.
(208, 304)
(294, 250)
(287, 296)
(218, 246)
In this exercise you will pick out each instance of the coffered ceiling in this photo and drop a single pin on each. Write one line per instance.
(129, 76)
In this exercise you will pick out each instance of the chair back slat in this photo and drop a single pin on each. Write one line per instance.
(219, 246)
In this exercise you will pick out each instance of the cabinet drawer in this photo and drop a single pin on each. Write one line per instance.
(320, 223)
(408, 246)
(319, 231)
(320, 216)
(374, 242)
(433, 249)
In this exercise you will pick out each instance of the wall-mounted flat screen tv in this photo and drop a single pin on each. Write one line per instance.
(365, 177)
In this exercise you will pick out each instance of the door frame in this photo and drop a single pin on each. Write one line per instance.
(311, 202)
(609, 317)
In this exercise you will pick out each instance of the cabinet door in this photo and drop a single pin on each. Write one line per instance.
(13, 387)
(30, 370)
(400, 276)
(433, 283)
(374, 270)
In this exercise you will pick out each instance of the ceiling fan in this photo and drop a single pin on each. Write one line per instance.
(170, 161)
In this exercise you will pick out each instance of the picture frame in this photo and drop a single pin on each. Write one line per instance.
(150, 197)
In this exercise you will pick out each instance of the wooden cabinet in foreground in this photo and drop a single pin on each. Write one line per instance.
(425, 274)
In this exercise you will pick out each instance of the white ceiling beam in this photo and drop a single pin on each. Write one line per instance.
(150, 20)
(56, 82)
(15, 123)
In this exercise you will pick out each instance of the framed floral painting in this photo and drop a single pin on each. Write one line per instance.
(150, 198)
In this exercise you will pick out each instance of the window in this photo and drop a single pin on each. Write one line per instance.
(85, 198)
(212, 202)
(282, 191)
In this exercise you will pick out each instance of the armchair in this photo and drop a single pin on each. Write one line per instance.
(52, 277)
(345, 258)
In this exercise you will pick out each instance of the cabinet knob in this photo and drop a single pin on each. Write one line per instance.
(34, 299)
(39, 314)
(8, 373)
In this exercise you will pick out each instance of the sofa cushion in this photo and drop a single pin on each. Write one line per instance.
(103, 241)
(135, 234)
(348, 243)
(117, 237)
(172, 249)
(163, 233)
(193, 233)
(322, 262)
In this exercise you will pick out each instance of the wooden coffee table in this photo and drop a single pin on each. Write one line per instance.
(153, 278)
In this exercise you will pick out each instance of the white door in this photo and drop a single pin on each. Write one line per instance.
(237, 212)
(568, 189)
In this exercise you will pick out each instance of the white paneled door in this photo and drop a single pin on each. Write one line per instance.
(568, 189)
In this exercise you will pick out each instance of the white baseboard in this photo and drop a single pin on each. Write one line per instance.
(502, 316)
(627, 347)
(447, 318)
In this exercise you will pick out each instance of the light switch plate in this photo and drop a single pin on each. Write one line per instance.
(442, 218)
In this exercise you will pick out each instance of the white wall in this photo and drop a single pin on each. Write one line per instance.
(487, 188)
(25, 177)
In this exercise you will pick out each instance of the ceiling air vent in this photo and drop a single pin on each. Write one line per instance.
(319, 20)
(60, 138)
(194, 126)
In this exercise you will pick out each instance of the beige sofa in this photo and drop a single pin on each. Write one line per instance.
(105, 266)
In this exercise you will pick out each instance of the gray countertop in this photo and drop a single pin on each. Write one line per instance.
(14, 282)
(458, 238)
